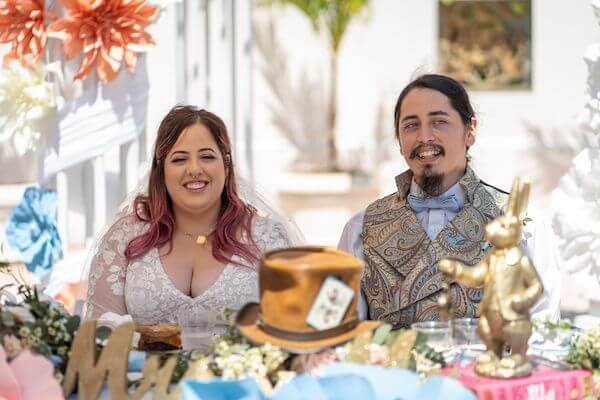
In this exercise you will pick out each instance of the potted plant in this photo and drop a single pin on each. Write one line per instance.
(333, 17)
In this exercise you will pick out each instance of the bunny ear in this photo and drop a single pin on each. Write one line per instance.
(513, 198)
(523, 201)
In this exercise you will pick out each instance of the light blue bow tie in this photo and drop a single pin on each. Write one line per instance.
(448, 203)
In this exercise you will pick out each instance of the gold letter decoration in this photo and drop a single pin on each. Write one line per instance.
(112, 361)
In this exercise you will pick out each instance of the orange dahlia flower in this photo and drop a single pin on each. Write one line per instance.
(22, 25)
(108, 32)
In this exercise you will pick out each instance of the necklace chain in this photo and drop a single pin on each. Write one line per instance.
(200, 239)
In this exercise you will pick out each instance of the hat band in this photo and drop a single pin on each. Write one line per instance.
(309, 336)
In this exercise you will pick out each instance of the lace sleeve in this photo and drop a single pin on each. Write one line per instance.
(270, 235)
(106, 279)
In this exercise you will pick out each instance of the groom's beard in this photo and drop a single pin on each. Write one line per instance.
(430, 182)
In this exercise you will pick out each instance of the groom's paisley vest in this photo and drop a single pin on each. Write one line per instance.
(401, 281)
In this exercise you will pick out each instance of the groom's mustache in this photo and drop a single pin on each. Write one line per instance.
(430, 146)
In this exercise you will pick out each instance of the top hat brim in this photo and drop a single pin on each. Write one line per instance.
(247, 322)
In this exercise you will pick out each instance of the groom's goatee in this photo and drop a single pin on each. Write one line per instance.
(430, 184)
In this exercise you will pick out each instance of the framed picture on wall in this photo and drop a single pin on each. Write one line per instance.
(486, 44)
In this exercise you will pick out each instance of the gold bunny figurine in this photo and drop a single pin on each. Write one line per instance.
(511, 286)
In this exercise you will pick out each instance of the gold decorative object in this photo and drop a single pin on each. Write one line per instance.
(511, 286)
(359, 348)
(154, 375)
(112, 361)
(401, 349)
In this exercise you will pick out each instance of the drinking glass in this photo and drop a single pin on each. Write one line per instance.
(437, 333)
(465, 336)
(196, 329)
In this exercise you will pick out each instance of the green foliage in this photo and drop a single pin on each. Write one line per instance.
(431, 354)
(332, 15)
(381, 334)
(560, 325)
(42, 326)
(585, 350)
(517, 7)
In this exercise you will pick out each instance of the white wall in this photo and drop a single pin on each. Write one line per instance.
(396, 40)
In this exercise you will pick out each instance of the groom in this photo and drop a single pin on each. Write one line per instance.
(439, 211)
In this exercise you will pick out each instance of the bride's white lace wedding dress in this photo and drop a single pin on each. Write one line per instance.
(143, 290)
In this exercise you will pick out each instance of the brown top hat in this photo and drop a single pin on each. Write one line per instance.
(299, 286)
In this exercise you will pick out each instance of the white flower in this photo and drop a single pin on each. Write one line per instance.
(25, 97)
(576, 203)
(12, 345)
(24, 331)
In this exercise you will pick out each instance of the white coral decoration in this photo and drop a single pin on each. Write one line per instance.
(590, 117)
(25, 98)
(576, 203)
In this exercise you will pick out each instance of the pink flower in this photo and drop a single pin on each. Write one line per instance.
(310, 362)
(378, 354)
(27, 377)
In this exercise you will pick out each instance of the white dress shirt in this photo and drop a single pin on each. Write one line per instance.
(538, 242)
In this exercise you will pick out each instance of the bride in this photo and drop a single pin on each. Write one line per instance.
(191, 244)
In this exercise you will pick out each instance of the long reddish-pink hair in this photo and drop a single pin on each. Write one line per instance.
(156, 208)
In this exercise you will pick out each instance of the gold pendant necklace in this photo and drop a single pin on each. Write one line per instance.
(201, 239)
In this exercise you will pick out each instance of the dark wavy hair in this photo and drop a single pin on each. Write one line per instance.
(156, 208)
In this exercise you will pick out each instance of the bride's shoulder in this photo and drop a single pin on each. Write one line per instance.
(264, 224)
(269, 232)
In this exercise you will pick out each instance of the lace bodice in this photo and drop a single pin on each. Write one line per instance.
(143, 289)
